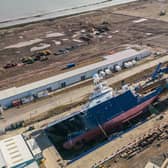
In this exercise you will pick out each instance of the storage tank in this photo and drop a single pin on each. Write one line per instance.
(102, 73)
(107, 71)
(126, 65)
(133, 62)
(130, 63)
(117, 68)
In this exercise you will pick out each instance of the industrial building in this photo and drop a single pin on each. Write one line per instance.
(41, 88)
(17, 152)
(160, 165)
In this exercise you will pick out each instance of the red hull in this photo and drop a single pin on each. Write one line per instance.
(108, 126)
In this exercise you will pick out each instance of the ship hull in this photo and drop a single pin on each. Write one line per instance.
(109, 126)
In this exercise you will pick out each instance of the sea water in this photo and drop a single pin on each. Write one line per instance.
(22, 11)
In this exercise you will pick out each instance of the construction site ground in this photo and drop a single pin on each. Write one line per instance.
(123, 30)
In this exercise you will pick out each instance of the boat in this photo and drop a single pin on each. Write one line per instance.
(106, 110)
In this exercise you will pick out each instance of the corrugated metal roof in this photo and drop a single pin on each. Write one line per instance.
(2, 160)
(15, 151)
(110, 59)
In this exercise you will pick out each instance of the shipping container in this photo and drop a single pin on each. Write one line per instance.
(16, 103)
(42, 94)
(27, 99)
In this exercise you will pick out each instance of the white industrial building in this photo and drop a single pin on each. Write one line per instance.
(16, 153)
(44, 86)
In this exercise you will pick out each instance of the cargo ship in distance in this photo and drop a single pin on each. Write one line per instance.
(106, 110)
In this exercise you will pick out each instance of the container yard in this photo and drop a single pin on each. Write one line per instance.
(88, 90)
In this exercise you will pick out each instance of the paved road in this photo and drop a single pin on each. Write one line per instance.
(30, 110)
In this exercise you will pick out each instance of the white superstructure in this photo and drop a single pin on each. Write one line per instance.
(100, 94)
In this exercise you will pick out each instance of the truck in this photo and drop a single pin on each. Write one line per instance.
(70, 65)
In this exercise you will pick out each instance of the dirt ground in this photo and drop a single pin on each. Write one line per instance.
(121, 30)
(154, 154)
(150, 9)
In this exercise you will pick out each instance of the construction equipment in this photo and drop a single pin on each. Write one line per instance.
(28, 60)
(164, 70)
(70, 65)
(43, 58)
(41, 55)
(156, 72)
(102, 28)
(162, 7)
(44, 52)
(162, 13)
(9, 65)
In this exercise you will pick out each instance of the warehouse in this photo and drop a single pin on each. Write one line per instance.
(15, 152)
(27, 93)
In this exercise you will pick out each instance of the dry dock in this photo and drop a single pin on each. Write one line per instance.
(137, 24)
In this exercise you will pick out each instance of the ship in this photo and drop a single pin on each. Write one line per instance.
(107, 110)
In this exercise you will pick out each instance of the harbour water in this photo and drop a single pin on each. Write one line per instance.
(22, 11)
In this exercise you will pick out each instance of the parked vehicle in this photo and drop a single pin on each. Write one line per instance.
(70, 65)
(9, 65)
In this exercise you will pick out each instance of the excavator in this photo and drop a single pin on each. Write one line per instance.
(157, 78)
